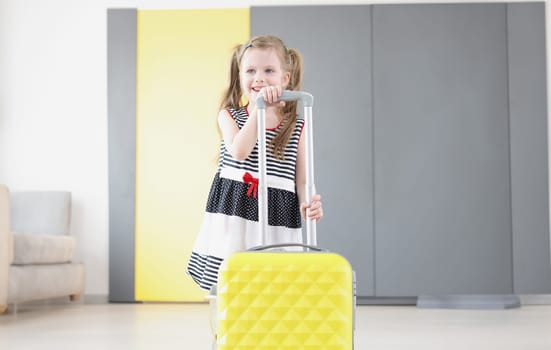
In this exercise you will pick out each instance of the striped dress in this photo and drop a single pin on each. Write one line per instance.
(230, 223)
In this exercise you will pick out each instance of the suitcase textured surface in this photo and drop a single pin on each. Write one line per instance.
(285, 300)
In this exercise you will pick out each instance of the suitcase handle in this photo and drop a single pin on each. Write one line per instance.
(289, 95)
(286, 245)
(307, 101)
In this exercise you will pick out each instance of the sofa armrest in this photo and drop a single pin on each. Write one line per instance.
(4, 245)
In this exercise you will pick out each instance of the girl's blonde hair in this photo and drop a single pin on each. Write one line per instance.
(291, 61)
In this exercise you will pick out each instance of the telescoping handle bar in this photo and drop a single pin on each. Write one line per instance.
(307, 101)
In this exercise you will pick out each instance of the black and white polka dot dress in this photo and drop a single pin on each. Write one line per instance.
(230, 223)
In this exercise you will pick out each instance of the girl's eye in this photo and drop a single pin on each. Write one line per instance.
(269, 70)
(250, 71)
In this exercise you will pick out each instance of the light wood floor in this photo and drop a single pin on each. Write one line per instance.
(186, 326)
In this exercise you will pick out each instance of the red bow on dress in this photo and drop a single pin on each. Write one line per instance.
(253, 184)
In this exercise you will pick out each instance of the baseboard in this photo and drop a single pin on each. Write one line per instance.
(535, 299)
(526, 299)
(92, 299)
(97, 299)
(470, 301)
(362, 300)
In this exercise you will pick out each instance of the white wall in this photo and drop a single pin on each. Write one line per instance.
(53, 106)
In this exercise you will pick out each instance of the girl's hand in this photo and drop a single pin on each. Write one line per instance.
(271, 95)
(316, 211)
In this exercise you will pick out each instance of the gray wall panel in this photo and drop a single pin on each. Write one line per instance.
(529, 159)
(430, 143)
(121, 65)
(335, 42)
(442, 194)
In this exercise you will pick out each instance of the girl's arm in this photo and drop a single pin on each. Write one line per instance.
(316, 210)
(238, 142)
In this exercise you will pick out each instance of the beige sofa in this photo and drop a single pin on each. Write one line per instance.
(36, 249)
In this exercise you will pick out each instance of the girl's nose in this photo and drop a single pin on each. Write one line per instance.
(259, 78)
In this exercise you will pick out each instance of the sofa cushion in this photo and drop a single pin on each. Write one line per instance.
(45, 281)
(31, 248)
(41, 212)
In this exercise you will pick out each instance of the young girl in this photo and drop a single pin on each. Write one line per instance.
(263, 66)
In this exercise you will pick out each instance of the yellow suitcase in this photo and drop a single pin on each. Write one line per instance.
(285, 300)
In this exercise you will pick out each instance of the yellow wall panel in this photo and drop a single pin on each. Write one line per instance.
(182, 69)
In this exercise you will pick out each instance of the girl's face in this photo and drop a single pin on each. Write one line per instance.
(260, 68)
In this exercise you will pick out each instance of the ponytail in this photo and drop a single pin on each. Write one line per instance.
(232, 95)
(293, 62)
